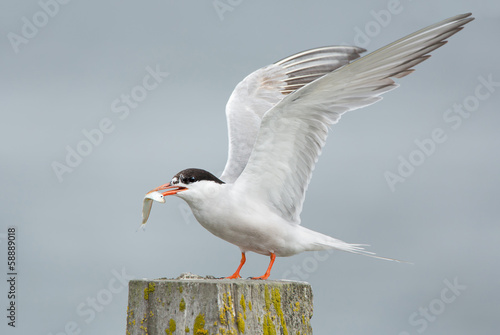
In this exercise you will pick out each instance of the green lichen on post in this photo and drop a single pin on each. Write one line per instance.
(267, 298)
(171, 327)
(181, 289)
(222, 317)
(186, 330)
(169, 288)
(243, 306)
(199, 325)
(144, 319)
(240, 322)
(148, 290)
(182, 305)
(277, 306)
(130, 316)
(228, 308)
(268, 326)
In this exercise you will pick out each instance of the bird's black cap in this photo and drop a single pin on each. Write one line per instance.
(192, 175)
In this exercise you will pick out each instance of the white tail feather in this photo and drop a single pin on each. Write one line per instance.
(353, 248)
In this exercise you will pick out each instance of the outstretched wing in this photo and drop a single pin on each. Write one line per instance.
(264, 88)
(294, 131)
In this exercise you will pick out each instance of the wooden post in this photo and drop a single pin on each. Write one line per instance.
(200, 306)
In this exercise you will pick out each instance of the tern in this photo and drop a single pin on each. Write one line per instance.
(278, 121)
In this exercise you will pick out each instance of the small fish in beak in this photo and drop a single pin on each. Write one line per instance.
(157, 194)
(147, 204)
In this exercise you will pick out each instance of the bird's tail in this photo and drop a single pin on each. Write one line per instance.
(323, 242)
(357, 249)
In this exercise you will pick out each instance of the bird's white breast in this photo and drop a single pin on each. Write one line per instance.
(247, 223)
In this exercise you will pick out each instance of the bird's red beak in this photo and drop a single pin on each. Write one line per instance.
(172, 189)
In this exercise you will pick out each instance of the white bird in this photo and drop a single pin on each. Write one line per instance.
(278, 120)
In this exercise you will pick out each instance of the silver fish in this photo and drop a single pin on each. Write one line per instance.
(148, 203)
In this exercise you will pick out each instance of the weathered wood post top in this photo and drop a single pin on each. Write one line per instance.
(196, 305)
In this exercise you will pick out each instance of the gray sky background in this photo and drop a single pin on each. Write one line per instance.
(76, 233)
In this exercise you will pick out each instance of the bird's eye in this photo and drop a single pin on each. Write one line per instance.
(187, 180)
(174, 181)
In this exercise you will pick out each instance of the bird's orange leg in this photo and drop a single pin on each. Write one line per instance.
(236, 275)
(268, 272)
